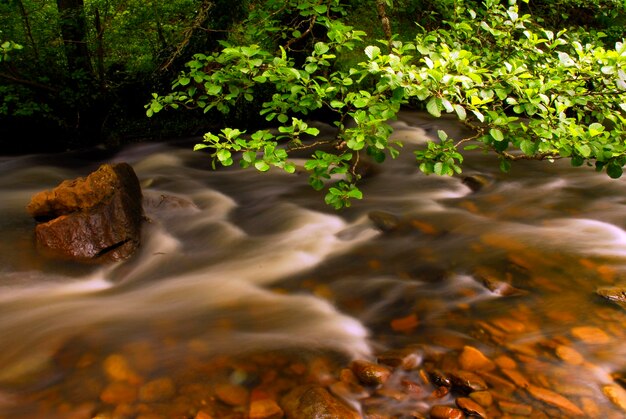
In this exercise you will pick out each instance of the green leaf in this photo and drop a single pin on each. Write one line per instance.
(261, 166)
(584, 150)
(596, 129)
(577, 161)
(528, 147)
(433, 108)
(372, 52)
(496, 134)
(321, 48)
(460, 111)
(199, 147)
(360, 102)
(249, 156)
(614, 171)
(355, 193)
(505, 165)
(223, 155)
(320, 8)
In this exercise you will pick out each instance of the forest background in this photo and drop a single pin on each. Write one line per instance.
(539, 79)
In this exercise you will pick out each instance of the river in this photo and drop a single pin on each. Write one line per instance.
(244, 275)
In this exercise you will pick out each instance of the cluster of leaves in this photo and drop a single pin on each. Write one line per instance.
(6, 47)
(527, 93)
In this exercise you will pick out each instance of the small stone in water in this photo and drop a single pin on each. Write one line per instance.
(405, 324)
(313, 401)
(591, 335)
(554, 399)
(467, 381)
(569, 355)
(118, 393)
(231, 394)
(470, 407)
(204, 415)
(616, 395)
(504, 361)
(157, 390)
(620, 378)
(407, 359)
(117, 369)
(509, 325)
(384, 221)
(265, 409)
(369, 373)
(516, 377)
(617, 294)
(475, 182)
(472, 359)
(483, 398)
(440, 392)
(515, 408)
(439, 378)
(445, 412)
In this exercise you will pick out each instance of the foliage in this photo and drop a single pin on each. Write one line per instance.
(125, 51)
(526, 91)
(6, 47)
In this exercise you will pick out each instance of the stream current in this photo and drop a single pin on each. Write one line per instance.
(237, 262)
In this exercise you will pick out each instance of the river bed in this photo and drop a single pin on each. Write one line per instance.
(247, 286)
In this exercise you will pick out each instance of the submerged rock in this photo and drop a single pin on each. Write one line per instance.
(384, 221)
(313, 401)
(616, 294)
(475, 182)
(369, 373)
(97, 218)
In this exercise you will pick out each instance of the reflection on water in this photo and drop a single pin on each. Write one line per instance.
(238, 262)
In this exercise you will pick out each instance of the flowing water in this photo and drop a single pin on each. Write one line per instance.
(237, 264)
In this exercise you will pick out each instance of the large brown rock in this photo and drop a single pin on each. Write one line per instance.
(97, 218)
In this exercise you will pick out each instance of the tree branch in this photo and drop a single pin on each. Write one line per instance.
(304, 34)
(28, 83)
(197, 23)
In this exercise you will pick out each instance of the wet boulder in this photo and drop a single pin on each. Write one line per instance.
(97, 218)
(476, 182)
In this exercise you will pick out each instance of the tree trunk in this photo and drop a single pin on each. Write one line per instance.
(28, 29)
(100, 50)
(74, 32)
(384, 20)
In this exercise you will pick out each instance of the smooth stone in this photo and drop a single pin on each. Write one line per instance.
(616, 394)
(446, 412)
(119, 393)
(369, 373)
(470, 407)
(554, 399)
(483, 398)
(407, 358)
(158, 390)
(314, 401)
(472, 359)
(265, 409)
(467, 381)
(384, 221)
(515, 408)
